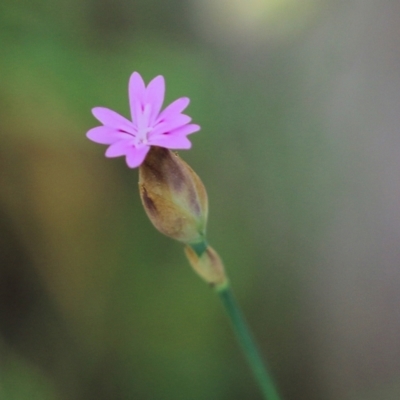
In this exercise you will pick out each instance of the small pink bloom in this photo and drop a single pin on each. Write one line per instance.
(149, 127)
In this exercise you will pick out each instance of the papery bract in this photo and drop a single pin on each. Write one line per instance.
(148, 127)
(173, 196)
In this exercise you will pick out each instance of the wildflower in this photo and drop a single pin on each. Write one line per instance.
(149, 127)
(173, 196)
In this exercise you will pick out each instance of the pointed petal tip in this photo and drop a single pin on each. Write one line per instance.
(136, 78)
(187, 147)
(184, 102)
(195, 127)
(158, 78)
(136, 75)
(135, 156)
(91, 135)
(130, 164)
(186, 130)
(99, 111)
(96, 110)
(185, 99)
(118, 149)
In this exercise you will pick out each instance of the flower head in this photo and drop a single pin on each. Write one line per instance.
(148, 127)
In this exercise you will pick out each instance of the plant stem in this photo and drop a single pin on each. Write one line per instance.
(246, 340)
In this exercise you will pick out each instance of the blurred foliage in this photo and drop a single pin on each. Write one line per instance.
(94, 303)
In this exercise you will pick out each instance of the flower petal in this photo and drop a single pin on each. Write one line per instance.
(172, 141)
(106, 135)
(185, 130)
(135, 156)
(170, 124)
(155, 96)
(119, 148)
(112, 119)
(176, 107)
(137, 93)
(142, 121)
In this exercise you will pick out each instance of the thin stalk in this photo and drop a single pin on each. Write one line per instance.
(247, 342)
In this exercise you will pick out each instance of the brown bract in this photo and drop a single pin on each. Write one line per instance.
(209, 265)
(173, 196)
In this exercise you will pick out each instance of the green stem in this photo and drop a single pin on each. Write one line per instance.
(246, 340)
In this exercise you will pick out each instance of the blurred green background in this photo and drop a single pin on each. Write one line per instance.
(299, 104)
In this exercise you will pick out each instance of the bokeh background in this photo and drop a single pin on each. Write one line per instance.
(299, 103)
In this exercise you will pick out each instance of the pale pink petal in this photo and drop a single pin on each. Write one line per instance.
(185, 130)
(142, 122)
(171, 124)
(135, 156)
(137, 93)
(112, 119)
(105, 135)
(119, 148)
(172, 141)
(155, 96)
(176, 107)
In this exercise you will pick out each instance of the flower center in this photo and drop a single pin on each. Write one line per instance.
(141, 137)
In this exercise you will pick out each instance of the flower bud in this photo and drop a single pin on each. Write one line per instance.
(208, 265)
(173, 196)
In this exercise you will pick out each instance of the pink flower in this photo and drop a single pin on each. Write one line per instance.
(149, 127)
